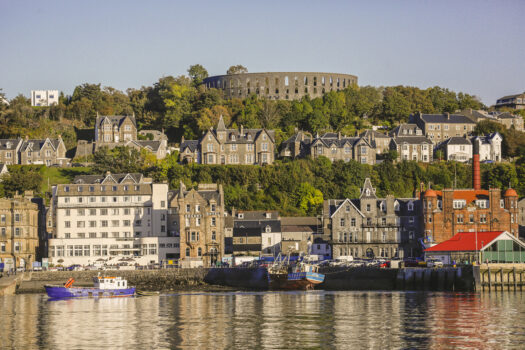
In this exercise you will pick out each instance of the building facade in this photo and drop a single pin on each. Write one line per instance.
(48, 152)
(450, 211)
(121, 131)
(230, 146)
(109, 219)
(440, 127)
(19, 231)
(521, 217)
(9, 149)
(512, 101)
(256, 233)
(298, 234)
(196, 218)
(410, 143)
(488, 147)
(458, 149)
(371, 227)
(280, 85)
(336, 146)
(44, 97)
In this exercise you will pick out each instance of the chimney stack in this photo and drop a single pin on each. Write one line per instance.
(476, 176)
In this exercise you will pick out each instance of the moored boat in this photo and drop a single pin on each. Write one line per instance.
(103, 287)
(303, 276)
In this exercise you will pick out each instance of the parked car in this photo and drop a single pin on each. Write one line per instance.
(434, 263)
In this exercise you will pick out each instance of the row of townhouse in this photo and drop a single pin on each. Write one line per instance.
(126, 218)
(417, 140)
(50, 152)
(230, 146)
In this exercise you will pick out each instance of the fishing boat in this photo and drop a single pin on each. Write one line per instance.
(103, 287)
(302, 276)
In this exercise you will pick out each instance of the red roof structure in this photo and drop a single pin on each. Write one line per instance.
(466, 241)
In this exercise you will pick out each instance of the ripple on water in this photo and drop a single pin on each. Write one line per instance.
(267, 320)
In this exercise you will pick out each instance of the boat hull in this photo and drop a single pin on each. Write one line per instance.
(295, 280)
(58, 292)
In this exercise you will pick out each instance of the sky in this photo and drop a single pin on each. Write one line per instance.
(476, 47)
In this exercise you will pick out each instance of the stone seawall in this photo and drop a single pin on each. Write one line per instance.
(153, 280)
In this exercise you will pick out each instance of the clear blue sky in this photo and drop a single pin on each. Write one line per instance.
(476, 47)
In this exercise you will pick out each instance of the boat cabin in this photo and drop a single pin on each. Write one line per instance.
(109, 282)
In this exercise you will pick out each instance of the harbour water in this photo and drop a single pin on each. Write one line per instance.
(267, 320)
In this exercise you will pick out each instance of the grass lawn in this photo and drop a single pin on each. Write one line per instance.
(52, 176)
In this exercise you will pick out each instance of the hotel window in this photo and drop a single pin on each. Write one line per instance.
(103, 212)
(197, 208)
(91, 188)
(17, 217)
(17, 231)
(127, 211)
(81, 212)
(459, 204)
(319, 149)
(460, 219)
(92, 224)
(368, 207)
(188, 208)
(92, 235)
(81, 224)
(213, 236)
(66, 189)
(67, 224)
(198, 221)
(352, 222)
(213, 221)
(342, 222)
(114, 223)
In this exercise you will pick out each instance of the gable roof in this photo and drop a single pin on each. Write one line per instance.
(13, 144)
(446, 118)
(341, 204)
(470, 241)
(36, 145)
(115, 178)
(192, 145)
(412, 140)
(456, 140)
(114, 119)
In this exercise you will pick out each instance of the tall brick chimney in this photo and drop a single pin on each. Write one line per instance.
(476, 176)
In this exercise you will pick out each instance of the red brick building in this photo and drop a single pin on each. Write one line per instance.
(447, 212)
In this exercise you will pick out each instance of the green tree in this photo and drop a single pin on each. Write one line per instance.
(238, 69)
(197, 74)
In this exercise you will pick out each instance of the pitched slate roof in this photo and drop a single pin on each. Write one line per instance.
(510, 96)
(466, 241)
(153, 145)
(410, 128)
(14, 143)
(97, 179)
(191, 144)
(412, 140)
(114, 119)
(443, 118)
(247, 135)
(36, 145)
(456, 140)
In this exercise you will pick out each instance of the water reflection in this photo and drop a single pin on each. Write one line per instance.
(270, 320)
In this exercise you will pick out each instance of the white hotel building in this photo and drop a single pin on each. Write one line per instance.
(110, 219)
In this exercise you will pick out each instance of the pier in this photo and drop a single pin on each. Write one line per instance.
(502, 277)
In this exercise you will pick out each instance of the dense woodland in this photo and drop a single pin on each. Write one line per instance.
(182, 107)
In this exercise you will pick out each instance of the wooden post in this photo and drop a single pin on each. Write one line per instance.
(483, 281)
(490, 279)
(514, 275)
(521, 280)
(501, 277)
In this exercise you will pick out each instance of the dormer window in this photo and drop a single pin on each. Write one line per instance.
(268, 215)
(267, 229)
(80, 189)
(482, 203)
(410, 206)
(502, 203)
(8, 145)
(66, 188)
(233, 137)
(249, 137)
(264, 137)
(367, 191)
(459, 204)
(396, 206)
(240, 215)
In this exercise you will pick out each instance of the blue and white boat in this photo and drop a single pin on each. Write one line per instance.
(281, 275)
(103, 287)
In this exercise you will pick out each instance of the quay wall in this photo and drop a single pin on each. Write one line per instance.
(466, 278)
(153, 280)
